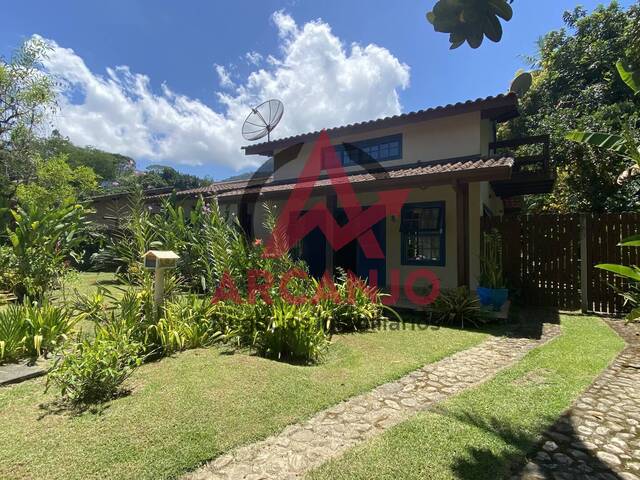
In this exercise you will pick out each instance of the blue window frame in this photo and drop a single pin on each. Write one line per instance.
(423, 234)
(367, 151)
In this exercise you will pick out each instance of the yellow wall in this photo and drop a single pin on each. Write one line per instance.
(479, 193)
(393, 254)
(439, 139)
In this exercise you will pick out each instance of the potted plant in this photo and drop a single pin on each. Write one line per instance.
(492, 289)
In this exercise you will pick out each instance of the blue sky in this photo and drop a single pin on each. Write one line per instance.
(190, 46)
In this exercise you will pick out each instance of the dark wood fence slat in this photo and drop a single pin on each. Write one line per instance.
(542, 258)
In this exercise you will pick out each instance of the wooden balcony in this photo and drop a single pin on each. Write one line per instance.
(531, 171)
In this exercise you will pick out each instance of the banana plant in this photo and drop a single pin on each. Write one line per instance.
(470, 20)
(632, 275)
(623, 144)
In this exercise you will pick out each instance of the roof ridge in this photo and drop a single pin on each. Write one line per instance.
(438, 108)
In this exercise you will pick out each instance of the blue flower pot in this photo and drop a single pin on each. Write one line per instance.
(484, 294)
(494, 297)
(499, 297)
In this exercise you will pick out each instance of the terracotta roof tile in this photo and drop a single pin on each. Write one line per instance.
(213, 189)
(416, 171)
(509, 99)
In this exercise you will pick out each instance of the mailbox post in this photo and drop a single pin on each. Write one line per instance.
(159, 260)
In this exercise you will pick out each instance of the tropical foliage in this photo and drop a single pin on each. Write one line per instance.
(627, 147)
(250, 307)
(56, 183)
(456, 307)
(32, 330)
(41, 241)
(624, 144)
(576, 86)
(470, 20)
(93, 371)
(631, 274)
(491, 267)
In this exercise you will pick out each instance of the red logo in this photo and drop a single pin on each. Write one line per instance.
(297, 219)
(297, 224)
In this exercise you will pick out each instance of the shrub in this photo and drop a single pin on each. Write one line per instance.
(13, 334)
(183, 322)
(631, 275)
(93, 371)
(42, 240)
(187, 323)
(291, 332)
(209, 246)
(239, 322)
(457, 306)
(359, 305)
(48, 326)
(33, 330)
(8, 269)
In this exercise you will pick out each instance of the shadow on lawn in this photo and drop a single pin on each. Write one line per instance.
(522, 323)
(518, 458)
(62, 407)
(528, 322)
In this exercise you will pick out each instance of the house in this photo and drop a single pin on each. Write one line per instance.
(446, 157)
(109, 209)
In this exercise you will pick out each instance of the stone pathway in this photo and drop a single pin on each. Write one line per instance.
(302, 447)
(599, 437)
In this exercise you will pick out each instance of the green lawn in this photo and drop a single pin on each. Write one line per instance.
(87, 283)
(484, 431)
(195, 406)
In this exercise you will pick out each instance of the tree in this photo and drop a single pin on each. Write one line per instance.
(158, 176)
(26, 98)
(470, 20)
(56, 184)
(576, 87)
(623, 144)
(108, 166)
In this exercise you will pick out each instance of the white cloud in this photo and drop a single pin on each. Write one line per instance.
(224, 76)
(322, 82)
(285, 23)
(254, 58)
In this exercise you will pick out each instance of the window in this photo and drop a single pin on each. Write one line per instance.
(368, 151)
(423, 234)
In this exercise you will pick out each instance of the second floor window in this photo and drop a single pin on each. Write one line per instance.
(368, 151)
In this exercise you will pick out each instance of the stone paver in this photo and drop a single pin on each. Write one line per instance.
(19, 372)
(301, 447)
(599, 437)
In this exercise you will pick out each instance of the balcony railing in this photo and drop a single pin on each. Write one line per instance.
(527, 162)
(531, 173)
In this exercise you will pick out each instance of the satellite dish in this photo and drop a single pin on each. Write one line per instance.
(262, 120)
(521, 84)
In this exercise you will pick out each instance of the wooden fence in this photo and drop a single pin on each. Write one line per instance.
(549, 259)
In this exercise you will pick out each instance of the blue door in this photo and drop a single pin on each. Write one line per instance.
(314, 252)
(365, 265)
